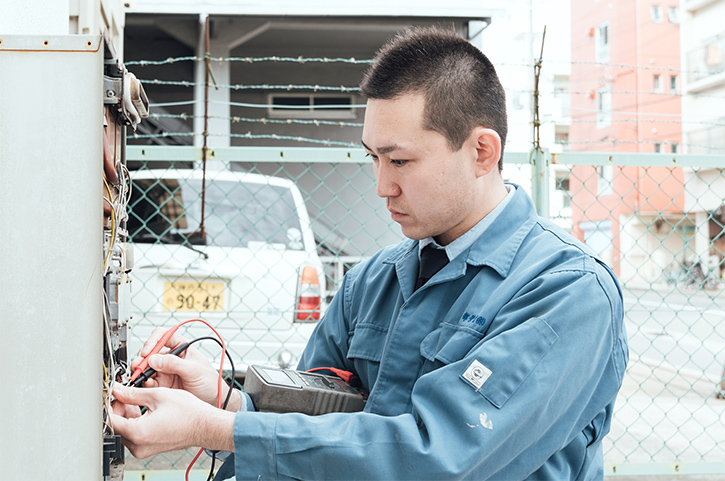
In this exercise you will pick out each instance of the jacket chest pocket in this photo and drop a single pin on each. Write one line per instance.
(367, 343)
(447, 344)
(511, 355)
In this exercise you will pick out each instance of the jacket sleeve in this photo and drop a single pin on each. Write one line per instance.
(544, 377)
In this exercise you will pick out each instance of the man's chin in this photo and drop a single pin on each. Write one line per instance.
(413, 233)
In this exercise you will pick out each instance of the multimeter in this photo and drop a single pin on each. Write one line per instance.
(285, 390)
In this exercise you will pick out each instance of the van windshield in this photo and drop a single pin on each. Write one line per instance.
(168, 211)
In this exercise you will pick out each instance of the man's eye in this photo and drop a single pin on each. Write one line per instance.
(374, 157)
(398, 161)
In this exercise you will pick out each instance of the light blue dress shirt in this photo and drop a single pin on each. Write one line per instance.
(467, 239)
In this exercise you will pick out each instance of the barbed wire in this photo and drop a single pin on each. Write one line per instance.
(352, 60)
(302, 60)
(261, 120)
(319, 122)
(162, 135)
(328, 142)
(336, 123)
(179, 103)
(315, 88)
(290, 107)
(251, 136)
(354, 89)
(649, 117)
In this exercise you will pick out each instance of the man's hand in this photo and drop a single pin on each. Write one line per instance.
(175, 420)
(190, 371)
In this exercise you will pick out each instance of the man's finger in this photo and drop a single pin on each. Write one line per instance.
(175, 340)
(169, 364)
(125, 410)
(126, 428)
(151, 341)
(135, 397)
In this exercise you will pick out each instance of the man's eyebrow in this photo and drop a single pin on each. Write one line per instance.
(382, 150)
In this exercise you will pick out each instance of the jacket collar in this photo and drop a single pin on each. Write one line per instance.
(496, 247)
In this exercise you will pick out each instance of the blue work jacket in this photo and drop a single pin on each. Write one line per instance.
(504, 366)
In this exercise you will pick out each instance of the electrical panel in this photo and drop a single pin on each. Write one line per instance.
(125, 104)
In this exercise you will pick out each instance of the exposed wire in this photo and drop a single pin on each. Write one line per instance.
(108, 381)
(113, 227)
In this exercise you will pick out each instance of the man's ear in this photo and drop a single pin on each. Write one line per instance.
(488, 147)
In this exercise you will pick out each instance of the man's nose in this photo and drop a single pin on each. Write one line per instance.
(387, 185)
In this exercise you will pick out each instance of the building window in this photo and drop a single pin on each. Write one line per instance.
(673, 14)
(674, 83)
(307, 106)
(674, 147)
(602, 43)
(605, 178)
(604, 107)
(657, 83)
(562, 185)
(656, 14)
(658, 147)
(562, 138)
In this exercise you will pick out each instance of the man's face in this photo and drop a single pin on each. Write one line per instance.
(429, 190)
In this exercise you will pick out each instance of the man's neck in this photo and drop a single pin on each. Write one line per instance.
(463, 242)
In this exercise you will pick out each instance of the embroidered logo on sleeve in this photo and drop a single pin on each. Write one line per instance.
(477, 374)
(471, 319)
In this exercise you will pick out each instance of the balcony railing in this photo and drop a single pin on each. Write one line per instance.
(708, 59)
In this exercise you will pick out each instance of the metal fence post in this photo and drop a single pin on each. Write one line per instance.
(539, 160)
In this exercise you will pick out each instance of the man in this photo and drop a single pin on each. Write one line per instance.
(503, 364)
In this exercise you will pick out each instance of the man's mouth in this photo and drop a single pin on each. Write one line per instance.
(396, 214)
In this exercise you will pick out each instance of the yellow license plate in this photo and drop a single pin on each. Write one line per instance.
(193, 296)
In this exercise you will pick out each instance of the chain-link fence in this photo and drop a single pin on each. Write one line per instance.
(283, 225)
(656, 219)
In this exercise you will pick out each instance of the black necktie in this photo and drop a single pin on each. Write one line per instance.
(431, 261)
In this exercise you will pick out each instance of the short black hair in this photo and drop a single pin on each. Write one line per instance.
(459, 83)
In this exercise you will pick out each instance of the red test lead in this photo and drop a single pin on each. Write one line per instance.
(157, 348)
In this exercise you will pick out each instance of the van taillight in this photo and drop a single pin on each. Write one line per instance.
(308, 296)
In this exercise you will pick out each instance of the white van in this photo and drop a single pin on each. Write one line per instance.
(253, 273)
